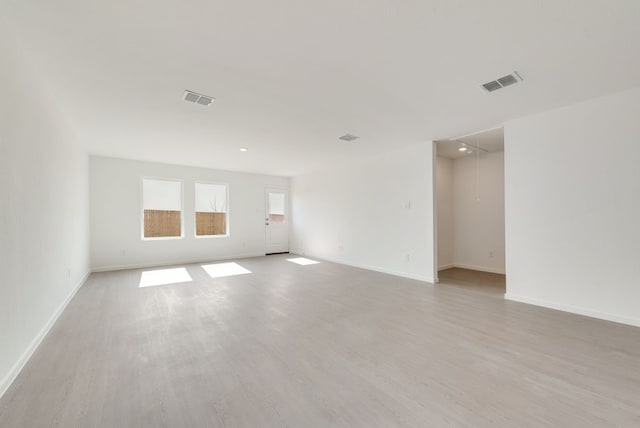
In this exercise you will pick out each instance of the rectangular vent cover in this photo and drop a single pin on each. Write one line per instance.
(348, 137)
(492, 86)
(194, 97)
(500, 83)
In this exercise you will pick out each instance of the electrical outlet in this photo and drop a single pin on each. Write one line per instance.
(491, 254)
(340, 247)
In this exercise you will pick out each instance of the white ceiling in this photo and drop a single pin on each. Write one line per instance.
(490, 141)
(292, 76)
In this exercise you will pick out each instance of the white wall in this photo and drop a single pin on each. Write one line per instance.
(44, 211)
(372, 214)
(479, 212)
(573, 208)
(444, 196)
(116, 226)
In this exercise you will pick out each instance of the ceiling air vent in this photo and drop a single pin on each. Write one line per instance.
(194, 97)
(500, 83)
(348, 137)
(492, 86)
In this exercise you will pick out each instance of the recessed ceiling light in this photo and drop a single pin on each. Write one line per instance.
(462, 149)
(244, 149)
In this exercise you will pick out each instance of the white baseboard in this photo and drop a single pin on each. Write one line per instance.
(173, 262)
(373, 268)
(447, 266)
(573, 309)
(479, 268)
(6, 382)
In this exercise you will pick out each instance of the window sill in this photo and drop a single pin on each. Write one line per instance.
(163, 238)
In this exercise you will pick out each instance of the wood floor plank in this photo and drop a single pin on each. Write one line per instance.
(322, 345)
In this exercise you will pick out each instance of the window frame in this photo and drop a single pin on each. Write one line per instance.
(195, 211)
(182, 216)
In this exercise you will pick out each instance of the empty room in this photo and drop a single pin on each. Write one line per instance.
(319, 214)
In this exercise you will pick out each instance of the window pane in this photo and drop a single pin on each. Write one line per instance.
(211, 209)
(162, 204)
(276, 207)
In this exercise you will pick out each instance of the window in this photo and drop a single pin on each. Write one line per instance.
(162, 208)
(276, 207)
(211, 209)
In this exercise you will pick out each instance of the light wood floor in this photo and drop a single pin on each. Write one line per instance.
(474, 280)
(319, 346)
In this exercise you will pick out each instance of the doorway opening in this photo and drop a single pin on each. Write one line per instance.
(469, 198)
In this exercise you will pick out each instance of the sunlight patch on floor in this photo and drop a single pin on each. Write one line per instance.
(220, 270)
(303, 261)
(151, 278)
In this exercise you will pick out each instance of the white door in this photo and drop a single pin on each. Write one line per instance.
(276, 221)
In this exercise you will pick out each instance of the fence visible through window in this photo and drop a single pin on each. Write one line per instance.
(162, 208)
(211, 209)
